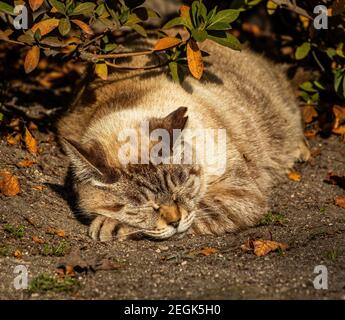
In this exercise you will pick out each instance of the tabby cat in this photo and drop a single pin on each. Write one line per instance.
(240, 92)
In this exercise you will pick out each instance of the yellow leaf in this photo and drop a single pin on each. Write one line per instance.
(9, 184)
(18, 254)
(101, 70)
(194, 58)
(31, 59)
(271, 7)
(305, 21)
(263, 247)
(340, 202)
(30, 142)
(294, 176)
(165, 43)
(46, 26)
(83, 26)
(25, 163)
(35, 4)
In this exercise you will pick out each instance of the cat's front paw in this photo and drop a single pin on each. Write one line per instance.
(102, 228)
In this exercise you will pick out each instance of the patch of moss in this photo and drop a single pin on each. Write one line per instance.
(272, 219)
(17, 232)
(45, 282)
(58, 250)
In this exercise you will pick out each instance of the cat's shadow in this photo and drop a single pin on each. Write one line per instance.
(67, 192)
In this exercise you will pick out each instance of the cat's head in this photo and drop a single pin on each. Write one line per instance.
(158, 200)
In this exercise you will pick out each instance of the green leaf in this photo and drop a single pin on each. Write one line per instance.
(219, 26)
(178, 21)
(308, 86)
(152, 13)
(199, 35)
(100, 9)
(319, 85)
(85, 8)
(4, 7)
(228, 41)
(110, 47)
(303, 51)
(338, 79)
(58, 5)
(175, 71)
(138, 28)
(331, 53)
(224, 16)
(64, 26)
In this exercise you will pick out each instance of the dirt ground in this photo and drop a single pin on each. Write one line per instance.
(304, 216)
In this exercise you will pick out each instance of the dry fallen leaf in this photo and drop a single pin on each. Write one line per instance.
(309, 114)
(310, 133)
(194, 58)
(206, 251)
(165, 43)
(18, 254)
(30, 142)
(13, 138)
(294, 176)
(39, 187)
(9, 184)
(339, 201)
(58, 232)
(339, 121)
(263, 247)
(37, 240)
(14, 124)
(25, 163)
(31, 59)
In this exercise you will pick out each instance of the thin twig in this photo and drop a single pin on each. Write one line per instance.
(293, 7)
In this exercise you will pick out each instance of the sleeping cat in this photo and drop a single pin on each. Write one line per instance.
(241, 92)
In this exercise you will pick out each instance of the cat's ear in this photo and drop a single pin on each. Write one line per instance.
(89, 162)
(174, 120)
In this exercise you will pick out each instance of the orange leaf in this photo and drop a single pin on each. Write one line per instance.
(294, 176)
(340, 202)
(206, 251)
(13, 138)
(263, 247)
(35, 4)
(46, 26)
(339, 114)
(25, 163)
(83, 26)
(30, 142)
(194, 58)
(18, 254)
(184, 11)
(101, 70)
(165, 43)
(37, 239)
(31, 59)
(9, 184)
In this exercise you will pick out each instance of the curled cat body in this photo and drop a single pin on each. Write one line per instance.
(240, 92)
